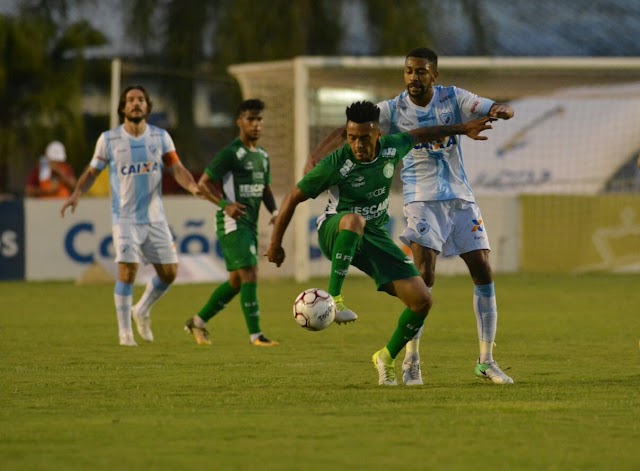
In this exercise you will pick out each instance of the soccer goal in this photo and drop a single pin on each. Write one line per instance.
(575, 132)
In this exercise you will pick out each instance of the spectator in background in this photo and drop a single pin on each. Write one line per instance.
(53, 177)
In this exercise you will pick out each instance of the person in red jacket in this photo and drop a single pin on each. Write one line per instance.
(53, 177)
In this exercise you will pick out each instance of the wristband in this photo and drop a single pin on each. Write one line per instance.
(222, 204)
(275, 213)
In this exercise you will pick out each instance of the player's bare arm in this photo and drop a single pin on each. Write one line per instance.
(212, 191)
(270, 203)
(500, 111)
(471, 129)
(85, 182)
(184, 178)
(275, 252)
(328, 144)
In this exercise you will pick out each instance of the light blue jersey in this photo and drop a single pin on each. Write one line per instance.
(434, 171)
(135, 172)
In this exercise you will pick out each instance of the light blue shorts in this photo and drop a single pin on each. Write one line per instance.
(146, 243)
(450, 227)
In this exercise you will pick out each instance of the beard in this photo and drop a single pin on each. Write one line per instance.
(136, 119)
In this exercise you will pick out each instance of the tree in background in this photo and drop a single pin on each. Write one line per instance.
(185, 40)
(42, 73)
(397, 29)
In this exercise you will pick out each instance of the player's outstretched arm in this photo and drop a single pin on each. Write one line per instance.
(85, 182)
(471, 129)
(275, 252)
(328, 144)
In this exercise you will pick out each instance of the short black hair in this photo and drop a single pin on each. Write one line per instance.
(425, 53)
(363, 112)
(123, 100)
(252, 104)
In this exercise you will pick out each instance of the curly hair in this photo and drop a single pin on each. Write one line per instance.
(363, 112)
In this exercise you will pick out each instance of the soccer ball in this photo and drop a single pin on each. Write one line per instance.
(314, 309)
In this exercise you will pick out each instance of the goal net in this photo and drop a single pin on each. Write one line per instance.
(568, 154)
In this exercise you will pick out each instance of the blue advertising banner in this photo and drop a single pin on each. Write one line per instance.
(12, 265)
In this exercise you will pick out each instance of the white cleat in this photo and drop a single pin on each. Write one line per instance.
(411, 373)
(143, 323)
(126, 339)
(491, 371)
(386, 373)
(344, 315)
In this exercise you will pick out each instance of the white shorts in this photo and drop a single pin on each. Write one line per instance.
(147, 243)
(450, 227)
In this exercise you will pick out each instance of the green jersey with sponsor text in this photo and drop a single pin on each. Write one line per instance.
(244, 174)
(358, 187)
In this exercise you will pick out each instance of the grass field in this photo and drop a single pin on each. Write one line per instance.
(72, 399)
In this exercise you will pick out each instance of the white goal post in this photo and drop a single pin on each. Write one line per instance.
(306, 97)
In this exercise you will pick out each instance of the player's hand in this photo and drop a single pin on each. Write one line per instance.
(274, 215)
(475, 127)
(235, 210)
(71, 202)
(501, 111)
(275, 255)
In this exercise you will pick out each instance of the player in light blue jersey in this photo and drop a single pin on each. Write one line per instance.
(441, 210)
(137, 153)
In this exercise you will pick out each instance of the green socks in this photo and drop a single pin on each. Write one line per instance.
(250, 308)
(218, 300)
(408, 326)
(343, 251)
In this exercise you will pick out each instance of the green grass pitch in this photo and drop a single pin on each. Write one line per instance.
(72, 399)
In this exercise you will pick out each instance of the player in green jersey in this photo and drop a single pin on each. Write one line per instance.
(352, 229)
(238, 180)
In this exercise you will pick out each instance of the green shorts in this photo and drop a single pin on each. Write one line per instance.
(377, 255)
(239, 248)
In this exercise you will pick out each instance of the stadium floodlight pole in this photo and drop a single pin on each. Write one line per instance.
(301, 151)
(116, 66)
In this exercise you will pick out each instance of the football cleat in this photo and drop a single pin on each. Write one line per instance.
(143, 324)
(262, 341)
(126, 339)
(411, 372)
(491, 371)
(344, 315)
(199, 333)
(386, 373)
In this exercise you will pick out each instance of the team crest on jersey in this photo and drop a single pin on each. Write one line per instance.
(241, 153)
(446, 117)
(153, 149)
(387, 171)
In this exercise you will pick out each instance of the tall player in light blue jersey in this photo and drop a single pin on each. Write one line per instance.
(441, 210)
(137, 153)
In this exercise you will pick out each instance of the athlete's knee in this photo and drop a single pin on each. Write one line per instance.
(421, 304)
(248, 275)
(420, 300)
(353, 222)
(428, 277)
(168, 273)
